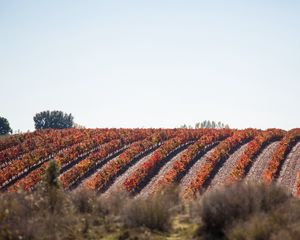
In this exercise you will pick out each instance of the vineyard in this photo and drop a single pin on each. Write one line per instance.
(142, 161)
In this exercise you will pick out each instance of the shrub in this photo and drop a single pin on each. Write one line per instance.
(115, 201)
(153, 212)
(26, 215)
(220, 208)
(283, 222)
(88, 202)
(84, 201)
(257, 227)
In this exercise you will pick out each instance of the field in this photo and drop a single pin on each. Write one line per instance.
(142, 161)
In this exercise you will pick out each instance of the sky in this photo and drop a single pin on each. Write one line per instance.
(151, 63)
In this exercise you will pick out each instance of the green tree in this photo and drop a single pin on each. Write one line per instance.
(53, 119)
(207, 124)
(52, 187)
(4, 126)
(220, 125)
(51, 176)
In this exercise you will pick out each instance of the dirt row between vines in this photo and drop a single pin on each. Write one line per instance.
(119, 181)
(227, 167)
(260, 163)
(150, 187)
(81, 185)
(286, 178)
(125, 168)
(42, 144)
(50, 157)
(191, 174)
(291, 166)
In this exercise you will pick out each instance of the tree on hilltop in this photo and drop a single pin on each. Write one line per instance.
(207, 124)
(211, 124)
(53, 119)
(4, 126)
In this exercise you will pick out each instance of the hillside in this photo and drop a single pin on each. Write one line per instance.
(141, 161)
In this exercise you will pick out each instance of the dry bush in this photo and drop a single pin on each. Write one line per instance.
(257, 227)
(220, 208)
(153, 212)
(115, 201)
(283, 222)
(83, 201)
(14, 209)
(29, 216)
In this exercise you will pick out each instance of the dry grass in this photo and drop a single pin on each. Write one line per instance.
(154, 212)
(222, 209)
(239, 212)
(281, 223)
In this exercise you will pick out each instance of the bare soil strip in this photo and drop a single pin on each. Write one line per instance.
(190, 175)
(118, 183)
(261, 162)
(133, 161)
(291, 166)
(82, 183)
(95, 167)
(226, 169)
(154, 171)
(33, 167)
(149, 189)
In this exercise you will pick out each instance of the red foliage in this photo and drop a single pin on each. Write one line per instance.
(26, 156)
(40, 155)
(14, 140)
(180, 165)
(169, 146)
(280, 153)
(221, 151)
(71, 154)
(32, 141)
(253, 148)
(298, 185)
(95, 158)
(66, 156)
(112, 168)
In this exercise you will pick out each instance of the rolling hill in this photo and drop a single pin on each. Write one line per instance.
(142, 161)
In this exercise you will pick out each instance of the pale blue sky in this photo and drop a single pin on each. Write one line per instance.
(151, 63)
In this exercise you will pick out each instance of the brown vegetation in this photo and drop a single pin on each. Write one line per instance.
(241, 211)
